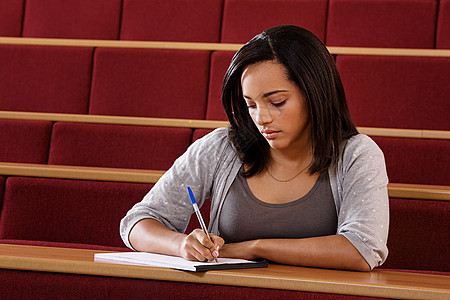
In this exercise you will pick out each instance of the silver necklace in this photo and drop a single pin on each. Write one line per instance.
(279, 180)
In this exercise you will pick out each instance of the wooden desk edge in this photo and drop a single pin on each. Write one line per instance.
(226, 277)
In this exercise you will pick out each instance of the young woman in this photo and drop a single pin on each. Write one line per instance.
(290, 180)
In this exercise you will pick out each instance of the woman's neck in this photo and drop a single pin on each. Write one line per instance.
(291, 157)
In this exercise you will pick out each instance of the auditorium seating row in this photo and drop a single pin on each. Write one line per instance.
(361, 23)
(382, 91)
(86, 214)
(409, 160)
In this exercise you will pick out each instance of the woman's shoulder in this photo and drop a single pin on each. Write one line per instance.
(361, 143)
(213, 142)
(361, 148)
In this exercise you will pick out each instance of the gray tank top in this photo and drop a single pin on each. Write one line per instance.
(244, 217)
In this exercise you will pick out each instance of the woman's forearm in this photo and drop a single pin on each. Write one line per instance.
(334, 252)
(150, 235)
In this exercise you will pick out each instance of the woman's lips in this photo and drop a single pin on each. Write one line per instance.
(269, 134)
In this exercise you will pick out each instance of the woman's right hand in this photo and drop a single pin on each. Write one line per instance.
(198, 247)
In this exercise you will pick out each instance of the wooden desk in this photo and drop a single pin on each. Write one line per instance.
(386, 284)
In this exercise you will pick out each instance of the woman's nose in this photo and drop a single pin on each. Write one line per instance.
(263, 115)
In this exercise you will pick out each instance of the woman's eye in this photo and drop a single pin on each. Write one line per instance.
(249, 106)
(277, 104)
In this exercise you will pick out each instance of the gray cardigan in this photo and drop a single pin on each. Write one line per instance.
(209, 166)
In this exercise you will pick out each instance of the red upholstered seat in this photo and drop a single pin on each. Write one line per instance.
(11, 14)
(220, 60)
(117, 146)
(199, 133)
(150, 83)
(243, 19)
(70, 211)
(417, 161)
(443, 26)
(419, 232)
(45, 79)
(381, 23)
(24, 141)
(121, 248)
(85, 19)
(39, 285)
(2, 188)
(397, 92)
(175, 20)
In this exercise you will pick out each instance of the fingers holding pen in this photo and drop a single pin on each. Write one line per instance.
(217, 242)
(197, 246)
(212, 242)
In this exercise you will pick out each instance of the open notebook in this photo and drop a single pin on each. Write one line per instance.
(167, 261)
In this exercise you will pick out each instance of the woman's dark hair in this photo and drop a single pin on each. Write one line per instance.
(311, 67)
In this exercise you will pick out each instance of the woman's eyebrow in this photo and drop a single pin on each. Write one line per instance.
(273, 92)
(265, 95)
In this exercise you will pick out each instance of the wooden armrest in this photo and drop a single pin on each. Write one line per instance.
(406, 133)
(205, 124)
(396, 190)
(419, 191)
(211, 46)
(120, 44)
(116, 120)
(80, 172)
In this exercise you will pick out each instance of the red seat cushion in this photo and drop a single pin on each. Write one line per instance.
(39, 285)
(175, 20)
(68, 211)
(381, 23)
(199, 133)
(11, 16)
(117, 146)
(45, 79)
(24, 141)
(220, 60)
(243, 19)
(418, 233)
(2, 188)
(417, 161)
(73, 19)
(443, 26)
(63, 245)
(397, 92)
(150, 83)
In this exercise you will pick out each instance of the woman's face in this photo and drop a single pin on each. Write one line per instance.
(276, 105)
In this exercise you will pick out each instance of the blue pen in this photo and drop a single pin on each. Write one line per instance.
(199, 216)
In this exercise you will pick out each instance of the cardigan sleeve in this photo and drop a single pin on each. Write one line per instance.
(363, 214)
(168, 201)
